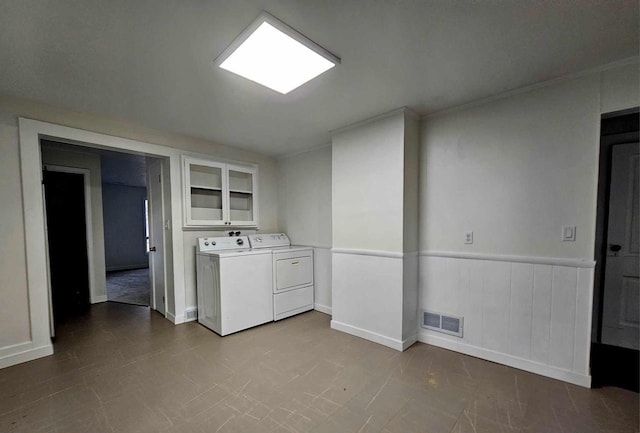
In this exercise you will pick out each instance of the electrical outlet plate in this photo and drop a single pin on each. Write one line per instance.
(468, 237)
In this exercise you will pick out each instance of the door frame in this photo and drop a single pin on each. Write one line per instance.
(602, 216)
(151, 216)
(30, 133)
(88, 221)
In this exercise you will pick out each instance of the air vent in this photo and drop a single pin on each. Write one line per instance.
(191, 314)
(440, 322)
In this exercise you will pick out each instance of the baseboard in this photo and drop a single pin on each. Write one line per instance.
(98, 299)
(172, 318)
(368, 335)
(322, 308)
(505, 359)
(409, 341)
(23, 352)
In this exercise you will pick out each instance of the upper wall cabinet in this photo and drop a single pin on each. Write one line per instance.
(218, 194)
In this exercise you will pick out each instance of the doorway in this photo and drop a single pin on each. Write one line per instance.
(124, 208)
(64, 194)
(123, 267)
(616, 321)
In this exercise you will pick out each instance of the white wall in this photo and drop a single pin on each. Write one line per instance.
(368, 181)
(304, 203)
(14, 308)
(71, 158)
(514, 170)
(374, 224)
(15, 329)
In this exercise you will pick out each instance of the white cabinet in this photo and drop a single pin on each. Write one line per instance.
(218, 194)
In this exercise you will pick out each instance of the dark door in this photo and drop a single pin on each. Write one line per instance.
(64, 198)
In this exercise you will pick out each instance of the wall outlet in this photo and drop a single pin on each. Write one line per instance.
(568, 233)
(468, 237)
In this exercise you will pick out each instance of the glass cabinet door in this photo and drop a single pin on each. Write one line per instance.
(241, 195)
(205, 192)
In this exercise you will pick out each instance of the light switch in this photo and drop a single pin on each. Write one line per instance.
(468, 237)
(568, 233)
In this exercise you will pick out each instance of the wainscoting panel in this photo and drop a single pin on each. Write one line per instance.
(322, 278)
(532, 316)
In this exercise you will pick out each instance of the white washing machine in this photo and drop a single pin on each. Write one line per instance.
(234, 284)
(292, 273)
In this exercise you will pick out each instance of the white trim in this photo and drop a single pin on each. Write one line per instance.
(519, 90)
(554, 261)
(171, 317)
(30, 133)
(99, 298)
(371, 336)
(318, 247)
(509, 360)
(377, 253)
(302, 152)
(323, 309)
(410, 341)
(404, 110)
(23, 352)
(88, 222)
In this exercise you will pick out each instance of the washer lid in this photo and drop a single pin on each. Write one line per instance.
(223, 243)
(270, 240)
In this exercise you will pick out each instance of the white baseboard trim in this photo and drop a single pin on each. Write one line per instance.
(322, 308)
(23, 352)
(172, 318)
(98, 299)
(368, 335)
(505, 359)
(408, 342)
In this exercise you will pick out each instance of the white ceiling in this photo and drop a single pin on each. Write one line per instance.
(151, 62)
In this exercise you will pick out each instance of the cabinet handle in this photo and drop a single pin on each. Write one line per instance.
(295, 263)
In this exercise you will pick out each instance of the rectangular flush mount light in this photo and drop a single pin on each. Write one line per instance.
(273, 54)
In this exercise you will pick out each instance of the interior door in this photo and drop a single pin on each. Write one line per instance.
(621, 306)
(67, 244)
(156, 234)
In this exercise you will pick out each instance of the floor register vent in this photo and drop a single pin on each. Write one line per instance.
(440, 322)
(191, 314)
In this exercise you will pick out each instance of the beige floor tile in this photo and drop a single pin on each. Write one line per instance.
(126, 369)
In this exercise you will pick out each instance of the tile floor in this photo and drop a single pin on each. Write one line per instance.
(123, 368)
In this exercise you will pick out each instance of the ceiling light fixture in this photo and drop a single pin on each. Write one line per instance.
(273, 54)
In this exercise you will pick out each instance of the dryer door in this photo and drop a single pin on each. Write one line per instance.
(293, 272)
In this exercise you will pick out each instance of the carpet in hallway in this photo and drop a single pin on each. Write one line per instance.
(131, 286)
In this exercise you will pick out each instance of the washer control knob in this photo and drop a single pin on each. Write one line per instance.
(213, 243)
(239, 241)
(230, 233)
(237, 233)
(206, 244)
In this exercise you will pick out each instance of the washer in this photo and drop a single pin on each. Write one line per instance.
(292, 273)
(234, 284)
